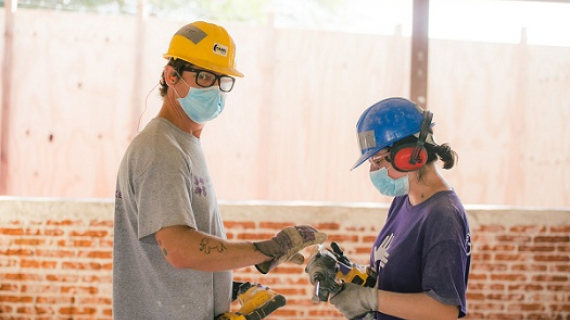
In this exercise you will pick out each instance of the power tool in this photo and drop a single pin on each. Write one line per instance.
(257, 302)
(329, 269)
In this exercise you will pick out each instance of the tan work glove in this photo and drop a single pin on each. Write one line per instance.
(355, 301)
(285, 246)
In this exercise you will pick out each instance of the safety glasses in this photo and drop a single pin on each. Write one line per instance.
(207, 79)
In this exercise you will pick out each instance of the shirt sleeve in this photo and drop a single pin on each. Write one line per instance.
(444, 274)
(164, 196)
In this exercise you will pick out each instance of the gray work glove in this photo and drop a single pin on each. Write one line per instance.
(285, 246)
(355, 301)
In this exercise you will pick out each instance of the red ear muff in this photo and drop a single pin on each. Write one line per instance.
(400, 157)
(412, 156)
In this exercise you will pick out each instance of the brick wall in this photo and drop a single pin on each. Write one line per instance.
(56, 257)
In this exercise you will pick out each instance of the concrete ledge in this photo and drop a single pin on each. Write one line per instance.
(34, 209)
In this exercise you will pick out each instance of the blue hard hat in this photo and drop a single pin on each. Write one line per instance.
(384, 123)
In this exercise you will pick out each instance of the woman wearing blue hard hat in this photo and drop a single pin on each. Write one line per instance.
(421, 256)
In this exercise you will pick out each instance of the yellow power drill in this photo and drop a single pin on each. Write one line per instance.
(332, 268)
(257, 302)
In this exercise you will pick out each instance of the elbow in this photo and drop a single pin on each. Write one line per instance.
(175, 259)
(450, 313)
(177, 264)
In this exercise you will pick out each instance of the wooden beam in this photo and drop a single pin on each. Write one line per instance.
(419, 56)
(138, 105)
(9, 10)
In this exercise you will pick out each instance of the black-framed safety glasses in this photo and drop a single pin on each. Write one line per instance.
(207, 79)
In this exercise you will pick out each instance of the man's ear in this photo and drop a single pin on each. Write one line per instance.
(170, 75)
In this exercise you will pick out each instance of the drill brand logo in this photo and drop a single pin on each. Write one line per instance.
(220, 49)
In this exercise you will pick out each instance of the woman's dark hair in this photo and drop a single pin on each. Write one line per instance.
(179, 65)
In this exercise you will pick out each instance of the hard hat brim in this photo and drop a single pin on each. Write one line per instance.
(365, 156)
(208, 66)
(430, 139)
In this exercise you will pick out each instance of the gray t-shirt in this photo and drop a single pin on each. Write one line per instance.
(163, 181)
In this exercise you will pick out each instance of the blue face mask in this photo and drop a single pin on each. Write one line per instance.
(388, 186)
(203, 104)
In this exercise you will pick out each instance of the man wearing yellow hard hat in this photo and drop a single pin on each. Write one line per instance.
(171, 257)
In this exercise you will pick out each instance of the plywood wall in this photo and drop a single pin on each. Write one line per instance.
(80, 83)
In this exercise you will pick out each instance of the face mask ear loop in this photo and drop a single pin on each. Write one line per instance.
(186, 83)
(145, 106)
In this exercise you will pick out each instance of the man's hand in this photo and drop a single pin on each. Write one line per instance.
(354, 301)
(285, 246)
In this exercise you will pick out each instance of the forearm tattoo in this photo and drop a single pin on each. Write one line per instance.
(207, 246)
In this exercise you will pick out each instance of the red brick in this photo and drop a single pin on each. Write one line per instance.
(32, 231)
(101, 223)
(64, 223)
(62, 277)
(29, 242)
(21, 277)
(525, 287)
(75, 243)
(50, 300)
(473, 276)
(14, 299)
(254, 236)
(9, 287)
(527, 248)
(342, 238)
(481, 256)
(325, 227)
(551, 278)
(275, 225)
(77, 311)
(16, 252)
(511, 257)
(489, 267)
(53, 232)
(106, 243)
(495, 247)
(552, 239)
(5, 308)
(508, 277)
(231, 225)
(560, 229)
(89, 233)
(526, 307)
(84, 266)
(561, 268)
(512, 238)
(551, 258)
(96, 254)
(12, 231)
(33, 310)
(529, 267)
(490, 229)
(79, 290)
(55, 253)
(504, 316)
(561, 308)
(486, 306)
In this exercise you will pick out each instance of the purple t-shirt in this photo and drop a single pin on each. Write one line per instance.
(425, 248)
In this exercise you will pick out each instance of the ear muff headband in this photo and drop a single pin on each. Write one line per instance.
(410, 156)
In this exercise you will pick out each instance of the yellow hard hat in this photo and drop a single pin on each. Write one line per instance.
(205, 45)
